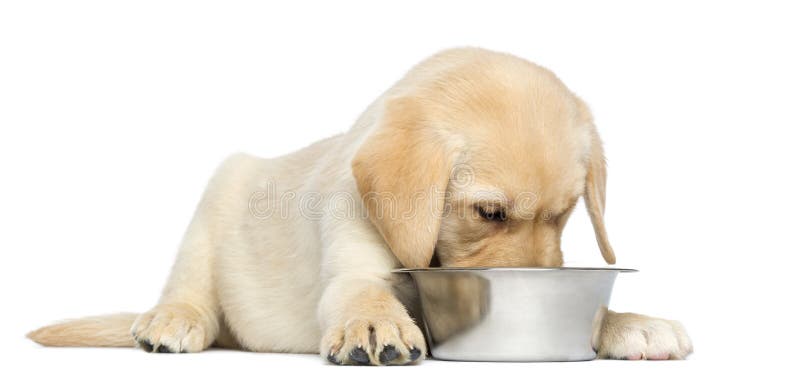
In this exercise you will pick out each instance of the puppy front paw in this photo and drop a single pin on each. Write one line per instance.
(631, 336)
(379, 341)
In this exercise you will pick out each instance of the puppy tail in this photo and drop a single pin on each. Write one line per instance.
(99, 331)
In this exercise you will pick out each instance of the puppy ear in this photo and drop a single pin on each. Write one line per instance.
(594, 194)
(595, 197)
(402, 171)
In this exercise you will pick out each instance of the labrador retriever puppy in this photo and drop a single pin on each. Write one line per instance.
(474, 158)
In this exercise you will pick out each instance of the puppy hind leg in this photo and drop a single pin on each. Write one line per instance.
(187, 317)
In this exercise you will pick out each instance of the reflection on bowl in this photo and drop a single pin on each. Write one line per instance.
(513, 314)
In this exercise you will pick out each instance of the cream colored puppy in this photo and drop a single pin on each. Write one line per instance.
(475, 156)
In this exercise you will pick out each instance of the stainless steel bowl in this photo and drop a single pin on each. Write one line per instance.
(513, 314)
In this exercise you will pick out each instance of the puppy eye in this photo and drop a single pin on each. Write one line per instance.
(498, 215)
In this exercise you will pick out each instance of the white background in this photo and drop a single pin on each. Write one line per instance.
(114, 114)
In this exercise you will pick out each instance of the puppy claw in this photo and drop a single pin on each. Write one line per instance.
(359, 356)
(388, 354)
(146, 346)
(414, 354)
(164, 349)
(332, 359)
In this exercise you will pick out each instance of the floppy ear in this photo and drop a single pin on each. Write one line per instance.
(402, 171)
(595, 195)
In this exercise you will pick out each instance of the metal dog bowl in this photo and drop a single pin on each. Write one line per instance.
(513, 314)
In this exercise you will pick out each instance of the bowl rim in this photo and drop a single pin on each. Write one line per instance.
(505, 269)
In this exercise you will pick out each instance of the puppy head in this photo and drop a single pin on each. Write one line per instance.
(481, 158)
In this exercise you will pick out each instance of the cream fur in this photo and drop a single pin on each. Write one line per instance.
(315, 275)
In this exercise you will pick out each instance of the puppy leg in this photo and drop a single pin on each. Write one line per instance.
(186, 318)
(634, 337)
(365, 324)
